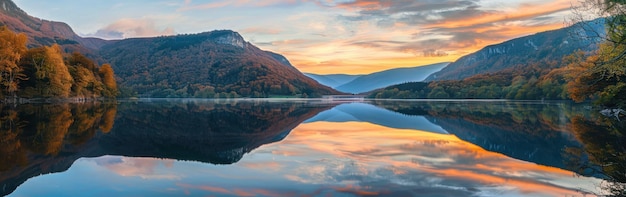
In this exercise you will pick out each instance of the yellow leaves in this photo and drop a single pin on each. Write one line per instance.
(108, 119)
(60, 78)
(108, 78)
(12, 47)
(597, 76)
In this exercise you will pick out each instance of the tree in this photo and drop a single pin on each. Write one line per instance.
(87, 83)
(60, 79)
(12, 47)
(108, 78)
(605, 78)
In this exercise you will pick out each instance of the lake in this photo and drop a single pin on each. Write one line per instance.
(291, 147)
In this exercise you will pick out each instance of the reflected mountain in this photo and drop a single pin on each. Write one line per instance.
(364, 112)
(202, 131)
(533, 132)
(41, 139)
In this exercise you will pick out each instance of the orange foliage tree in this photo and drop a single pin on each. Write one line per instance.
(12, 47)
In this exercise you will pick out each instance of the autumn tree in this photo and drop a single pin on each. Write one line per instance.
(87, 83)
(12, 47)
(604, 76)
(108, 78)
(60, 80)
(48, 75)
(34, 67)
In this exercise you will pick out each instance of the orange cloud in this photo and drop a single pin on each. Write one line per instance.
(392, 34)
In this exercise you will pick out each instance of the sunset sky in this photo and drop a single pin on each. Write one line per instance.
(322, 36)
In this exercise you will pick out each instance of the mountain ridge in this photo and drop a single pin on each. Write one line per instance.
(45, 32)
(547, 45)
(208, 64)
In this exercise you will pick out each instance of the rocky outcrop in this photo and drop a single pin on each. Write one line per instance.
(230, 38)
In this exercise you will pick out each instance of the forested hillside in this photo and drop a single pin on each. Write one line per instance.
(535, 81)
(545, 46)
(206, 65)
(47, 72)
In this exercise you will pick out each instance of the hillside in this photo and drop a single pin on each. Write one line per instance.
(545, 46)
(332, 80)
(390, 77)
(43, 32)
(211, 64)
(540, 73)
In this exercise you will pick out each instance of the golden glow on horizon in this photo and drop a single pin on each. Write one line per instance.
(334, 59)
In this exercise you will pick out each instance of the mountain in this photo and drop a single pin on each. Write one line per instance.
(390, 77)
(545, 46)
(211, 64)
(332, 80)
(43, 32)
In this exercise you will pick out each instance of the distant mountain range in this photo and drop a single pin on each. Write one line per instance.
(550, 45)
(364, 83)
(333, 80)
(211, 64)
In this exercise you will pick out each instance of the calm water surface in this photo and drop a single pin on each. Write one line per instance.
(301, 148)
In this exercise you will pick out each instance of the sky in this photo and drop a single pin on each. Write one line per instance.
(322, 36)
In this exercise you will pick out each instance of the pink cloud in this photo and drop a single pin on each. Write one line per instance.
(235, 3)
(127, 28)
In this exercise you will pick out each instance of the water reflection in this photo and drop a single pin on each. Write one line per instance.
(530, 131)
(206, 131)
(604, 139)
(165, 147)
(44, 138)
(38, 139)
(411, 163)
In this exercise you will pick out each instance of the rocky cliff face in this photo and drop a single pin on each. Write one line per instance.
(230, 38)
(549, 45)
